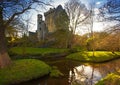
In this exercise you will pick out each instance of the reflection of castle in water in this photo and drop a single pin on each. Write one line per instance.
(48, 26)
(84, 75)
(91, 74)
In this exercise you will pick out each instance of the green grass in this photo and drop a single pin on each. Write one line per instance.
(99, 56)
(23, 70)
(36, 51)
(110, 79)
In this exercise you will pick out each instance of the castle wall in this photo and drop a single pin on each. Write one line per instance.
(49, 20)
(49, 25)
(50, 17)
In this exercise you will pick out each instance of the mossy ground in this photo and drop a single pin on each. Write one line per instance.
(23, 70)
(110, 79)
(35, 51)
(99, 56)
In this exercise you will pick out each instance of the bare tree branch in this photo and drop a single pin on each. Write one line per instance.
(16, 14)
(77, 13)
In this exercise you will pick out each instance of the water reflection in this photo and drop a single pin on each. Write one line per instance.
(84, 75)
(91, 74)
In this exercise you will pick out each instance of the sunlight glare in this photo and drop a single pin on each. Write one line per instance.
(98, 26)
(98, 3)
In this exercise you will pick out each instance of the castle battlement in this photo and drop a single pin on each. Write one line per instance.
(51, 10)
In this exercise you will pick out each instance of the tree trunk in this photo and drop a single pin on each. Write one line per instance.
(4, 57)
(70, 39)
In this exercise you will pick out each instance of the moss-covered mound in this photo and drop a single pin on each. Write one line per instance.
(110, 79)
(99, 56)
(23, 70)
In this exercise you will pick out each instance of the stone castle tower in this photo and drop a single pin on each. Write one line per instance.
(50, 17)
(41, 28)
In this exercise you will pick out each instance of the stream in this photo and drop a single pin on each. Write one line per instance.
(76, 73)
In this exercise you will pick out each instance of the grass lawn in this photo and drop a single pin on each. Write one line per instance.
(35, 51)
(110, 79)
(99, 56)
(23, 70)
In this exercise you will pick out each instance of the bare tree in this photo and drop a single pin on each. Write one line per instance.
(111, 12)
(77, 13)
(92, 14)
(112, 8)
(9, 10)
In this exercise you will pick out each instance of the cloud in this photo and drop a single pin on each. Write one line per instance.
(98, 3)
(96, 11)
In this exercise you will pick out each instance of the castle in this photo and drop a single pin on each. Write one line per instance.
(48, 26)
(55, 19)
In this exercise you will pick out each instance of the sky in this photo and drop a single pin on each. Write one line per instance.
(97, 26)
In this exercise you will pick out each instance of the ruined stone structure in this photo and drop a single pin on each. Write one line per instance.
(49, 25)
(50, 17)
(41, 28)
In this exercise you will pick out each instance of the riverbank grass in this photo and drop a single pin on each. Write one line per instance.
(99, 56)
(23, 70)
(35, 51)
(110, 79)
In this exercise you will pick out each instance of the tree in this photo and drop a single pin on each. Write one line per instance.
(11, 33)
(110, 11)
(62, 24)
(112, 8)
(98, 41)
(10, 10)
(77, 13)
(111, 42)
